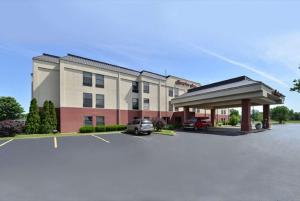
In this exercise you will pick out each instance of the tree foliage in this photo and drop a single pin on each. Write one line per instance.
(296, 86)
(53, 119)
(234, 117)
(256, 115)
(280, 114)
(234, 112)
(32, 125)
(46, 125)
(294, 115)
(158, 123)
(10, 109)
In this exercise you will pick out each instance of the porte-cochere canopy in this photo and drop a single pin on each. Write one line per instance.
(236, 92)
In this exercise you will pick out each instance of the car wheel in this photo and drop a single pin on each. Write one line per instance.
(149, 133)
(195, 128)
(136, 131)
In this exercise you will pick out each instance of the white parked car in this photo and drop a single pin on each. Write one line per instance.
(138, 126)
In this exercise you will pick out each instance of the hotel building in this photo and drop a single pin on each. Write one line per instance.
(90, 92)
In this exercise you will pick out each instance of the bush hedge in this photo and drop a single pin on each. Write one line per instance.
(87, 129)
(9, 128)
(90, 129)
(169, 127)
(100, 128)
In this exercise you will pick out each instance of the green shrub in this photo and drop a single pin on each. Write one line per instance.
(111, 128)
(158, 124)
(234, 120)
(32, 125)
(121, 127)
(87, 129)
(169, 127)
(45, 126)
(220, 123)
(53, 118)
(100, 128)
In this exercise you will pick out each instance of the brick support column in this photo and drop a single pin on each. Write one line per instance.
(266, 116)
(246, 116)
(212, 117)
(185, 114)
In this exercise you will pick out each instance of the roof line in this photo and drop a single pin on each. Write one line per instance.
(80, 57)
(51, 55)
(153, 73)
(216, 84)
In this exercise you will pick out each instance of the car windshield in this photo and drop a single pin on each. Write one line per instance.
(146, 121)
(193, 120)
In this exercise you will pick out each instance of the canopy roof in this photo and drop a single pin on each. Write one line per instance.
(229, 93)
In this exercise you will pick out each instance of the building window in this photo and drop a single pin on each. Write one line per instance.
(170, 107)
(198, 110)
(99, 81)
(87, 100)
(146, 103)
(100, 120)
(146, 87)
(87, 79)
(88, 121)
(135, 87)
(171, 91)
(135, 103)
(176, 92)
(99, 101)
(176, 109)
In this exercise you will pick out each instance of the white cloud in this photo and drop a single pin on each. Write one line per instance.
(242, 65)
(283, 49)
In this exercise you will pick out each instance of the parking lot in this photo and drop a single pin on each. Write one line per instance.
(188, 166)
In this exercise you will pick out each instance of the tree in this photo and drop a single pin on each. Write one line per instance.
(296, 86)
(32, 124)
(256, 115)
(45, 126)
(234, 112)
(158, 124)
(52, 115)
(10, 109)
(291, 115)
(234, 120)
(280, 114)
(234, 117)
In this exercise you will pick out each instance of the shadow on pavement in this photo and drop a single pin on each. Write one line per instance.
(217, 131)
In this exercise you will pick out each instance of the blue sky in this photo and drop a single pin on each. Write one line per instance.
(205, 41)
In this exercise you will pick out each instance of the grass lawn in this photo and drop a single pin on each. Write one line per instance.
(294, 121)
(287, 122)
(166, 132)
(32, 136)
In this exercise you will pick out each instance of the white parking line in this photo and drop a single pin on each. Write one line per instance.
(100, 138)
(6, 142)
(55, 142)
(140, 137)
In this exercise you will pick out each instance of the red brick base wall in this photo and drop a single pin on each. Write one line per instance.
(71, 119)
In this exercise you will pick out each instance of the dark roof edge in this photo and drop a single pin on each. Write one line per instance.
(51, 55)
(145, 71)
(183, 79)
(80, 57)
(216, 84)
